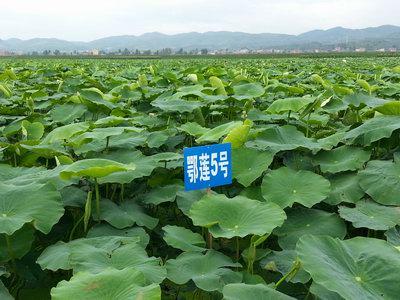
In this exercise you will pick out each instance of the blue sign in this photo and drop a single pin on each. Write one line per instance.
(207, 166)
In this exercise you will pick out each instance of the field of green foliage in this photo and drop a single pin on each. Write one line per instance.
(92, 203)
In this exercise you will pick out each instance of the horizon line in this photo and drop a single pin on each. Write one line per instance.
(197, 32)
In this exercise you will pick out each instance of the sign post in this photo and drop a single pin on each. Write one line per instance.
(207, 166)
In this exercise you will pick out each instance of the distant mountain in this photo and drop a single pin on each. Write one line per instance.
(372, 38)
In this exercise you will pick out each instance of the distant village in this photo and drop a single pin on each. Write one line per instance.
(169, 51)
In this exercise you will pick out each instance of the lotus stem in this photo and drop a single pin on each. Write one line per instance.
(292, 272)
(88, 210)
(96, 187)
(71, 235)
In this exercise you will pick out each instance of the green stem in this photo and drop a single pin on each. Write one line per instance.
(107, 143)
(210, 241)
(293, 271)
(288, 116)
(71, 235)
(96, 187)
(88, 210)
(114, 190)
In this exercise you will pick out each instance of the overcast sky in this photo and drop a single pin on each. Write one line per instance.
(91, 19)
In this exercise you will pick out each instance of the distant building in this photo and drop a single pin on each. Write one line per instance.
(392, 49)
(360, 50)
(380, 50)
(95, 52)
(243, 51)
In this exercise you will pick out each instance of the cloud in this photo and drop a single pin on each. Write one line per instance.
(91, 19)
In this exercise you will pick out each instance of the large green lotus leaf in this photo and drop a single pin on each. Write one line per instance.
(24, 176)
(100, 134)
(191, 89)
(89, 255)
(248, 91)
(344, 158)
(183, 239)
(373, 130)
(125, 215)
(286, 186)
(282, 262)
(85, 257)
(4, 293)
(36, 203)
(162, 194)
(393, 236)
(57, 256)
(389, 108)
(213, 135)
(302, 221)
(95, 168)
(144, 166)
(126, 284)
(108, 230)
(95, 98)
(359, 268)
(381, 180)
(242, 291)
(67, 113)
(361, 100)
(19, 243)
(127, 140)
(344, 188)
(193, 129)
(47, 151)
(65, 132)
(281, 138)
(289, 104)
(238, 216)
(176, 105)
(32, 131)
(371, 215)
(249, 164)
(210, 271)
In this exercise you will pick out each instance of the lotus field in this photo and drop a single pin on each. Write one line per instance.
(92, 201)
